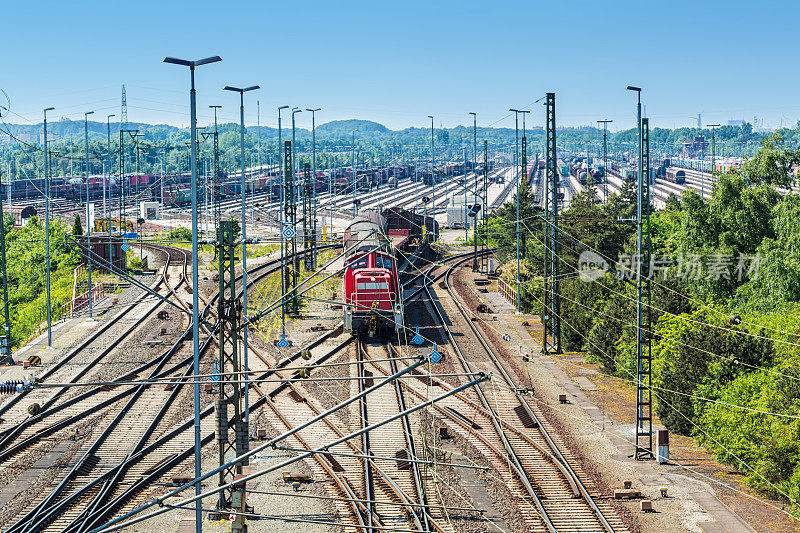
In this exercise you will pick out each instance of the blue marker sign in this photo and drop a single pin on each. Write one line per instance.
(282, 343)
(435, 356)
(417, 339)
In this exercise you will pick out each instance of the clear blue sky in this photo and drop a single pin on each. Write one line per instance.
(397, 62)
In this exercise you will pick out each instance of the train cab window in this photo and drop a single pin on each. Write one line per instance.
(358, 263)
(383, 262)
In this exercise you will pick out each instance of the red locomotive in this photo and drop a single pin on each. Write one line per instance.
(372, 288)
(371, 284)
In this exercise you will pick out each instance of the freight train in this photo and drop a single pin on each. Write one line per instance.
(374, 243)
(174, 188)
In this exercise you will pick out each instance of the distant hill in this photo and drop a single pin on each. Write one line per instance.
(343, 128)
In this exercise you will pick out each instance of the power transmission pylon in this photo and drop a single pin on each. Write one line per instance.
(644, 395)
(124, 111)
(552, 300)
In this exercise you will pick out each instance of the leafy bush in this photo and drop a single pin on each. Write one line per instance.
(180, 234)
(27, 281)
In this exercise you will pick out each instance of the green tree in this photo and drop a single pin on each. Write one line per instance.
(773, 163)
(777, 276)
(702, 361)
(77, 228)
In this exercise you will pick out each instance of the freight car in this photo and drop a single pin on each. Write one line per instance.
(676, 176)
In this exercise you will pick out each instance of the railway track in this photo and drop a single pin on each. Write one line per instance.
(88, 500)
(545, 483)
(63, 403)
(106, 450)
(376, 483)
(60, 371)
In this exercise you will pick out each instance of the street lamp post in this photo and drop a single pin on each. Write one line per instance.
(433, 174)
(640, 283)
(88, 221)
(195, 278)
(713, 158)
(331, 171)
(107, 177)
(215, 189)
(466, 225)
(475, 171)
(314, 187)
(281, 187)
(605, 124)
(297, 189)
(47, 229)
(244, 258)
(353, 161)
(5, 345)
(295, 165)
(516, 166)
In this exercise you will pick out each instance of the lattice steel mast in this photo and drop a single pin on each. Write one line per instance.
(644, 395)
(552, 301)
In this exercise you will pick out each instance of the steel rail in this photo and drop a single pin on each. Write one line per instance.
(572, 478)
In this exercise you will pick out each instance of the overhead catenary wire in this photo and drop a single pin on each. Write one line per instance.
(761, 337)
(123, 522)
(688, 419)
